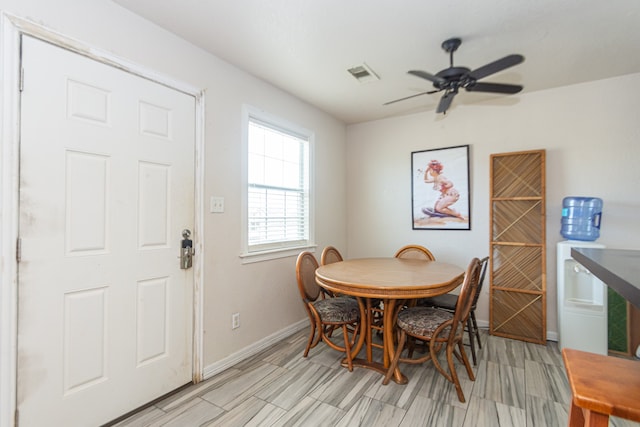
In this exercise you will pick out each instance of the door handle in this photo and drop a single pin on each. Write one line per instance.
(186, 250)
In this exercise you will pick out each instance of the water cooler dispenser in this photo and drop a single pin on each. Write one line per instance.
(582, 303)
(582, 298)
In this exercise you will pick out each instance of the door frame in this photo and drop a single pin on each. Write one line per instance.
(12, 28)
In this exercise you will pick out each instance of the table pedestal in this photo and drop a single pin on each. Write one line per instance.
(388, 322)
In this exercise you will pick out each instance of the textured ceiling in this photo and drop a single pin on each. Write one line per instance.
(306, 46)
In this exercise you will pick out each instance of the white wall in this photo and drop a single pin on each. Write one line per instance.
(591, 134)
(264, 293)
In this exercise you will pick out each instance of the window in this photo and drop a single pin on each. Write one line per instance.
(277, 187)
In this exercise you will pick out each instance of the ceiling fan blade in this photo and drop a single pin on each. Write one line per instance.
(495, 66)
(427, 76)
(494, 87)
(411, 96)
(445, 101)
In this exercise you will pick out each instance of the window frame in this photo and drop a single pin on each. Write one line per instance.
(247, 255)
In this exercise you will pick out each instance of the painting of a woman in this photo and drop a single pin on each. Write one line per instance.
(440, 188)
(448, 194)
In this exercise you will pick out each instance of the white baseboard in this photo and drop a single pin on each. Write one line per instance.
(255, 348)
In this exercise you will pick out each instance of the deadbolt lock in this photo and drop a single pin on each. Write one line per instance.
(186, 250)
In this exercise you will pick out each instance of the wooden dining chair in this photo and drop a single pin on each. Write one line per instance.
(415, 251)
(326, 312)
(406, 252)
(449, 301)
(440, 328)
(330, 255)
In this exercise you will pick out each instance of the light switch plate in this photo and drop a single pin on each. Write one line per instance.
(217, 204)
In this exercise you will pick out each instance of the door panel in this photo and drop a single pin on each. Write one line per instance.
(106, 188)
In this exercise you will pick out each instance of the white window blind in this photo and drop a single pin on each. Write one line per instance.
(278, 187)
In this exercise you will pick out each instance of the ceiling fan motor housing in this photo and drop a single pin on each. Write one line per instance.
(453, 76)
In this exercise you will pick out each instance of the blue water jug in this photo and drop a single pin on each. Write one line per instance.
(581, 218)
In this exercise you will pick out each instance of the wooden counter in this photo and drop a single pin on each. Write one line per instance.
(601, 386)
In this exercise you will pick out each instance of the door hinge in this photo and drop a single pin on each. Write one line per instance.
(18, 250)
(21, 79)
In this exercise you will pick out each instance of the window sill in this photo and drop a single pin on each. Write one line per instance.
(251, 257)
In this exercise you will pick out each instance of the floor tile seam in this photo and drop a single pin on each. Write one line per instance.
(373, 399)
(319, 402)
(237, 402)
(196, 394)
(175, 413)
(300, 397)
(488, 399)
(557, 362)
(267, 403)
(550, 380)
(265, 382)
(264, 401)
(500, 365)
(383, 403)
(140, 413)
(528, 392)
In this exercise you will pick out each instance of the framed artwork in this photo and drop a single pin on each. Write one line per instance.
(440, 189)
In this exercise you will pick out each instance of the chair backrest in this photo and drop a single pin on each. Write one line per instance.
(415, 252)
(306, 266)
(484, 262)
(465, 298)
(330, 255)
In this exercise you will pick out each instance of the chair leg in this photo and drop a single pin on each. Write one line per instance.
(465, 361)
(411, 345)
(454, 373)
(310, 341)
(475, 327)
(471, 340)
(347, 347)
(396, 358)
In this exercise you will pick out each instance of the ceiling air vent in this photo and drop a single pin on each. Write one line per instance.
(363, 73)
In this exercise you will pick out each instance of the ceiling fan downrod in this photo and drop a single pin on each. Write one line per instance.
(450, 46)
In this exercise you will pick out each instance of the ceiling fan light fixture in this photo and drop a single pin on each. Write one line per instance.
(363, 73)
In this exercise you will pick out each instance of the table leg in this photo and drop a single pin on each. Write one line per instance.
(576, 417)
(369, 332)
(580, 417)
(367, 335)
(389, 329)
(595, 419)
(364, 326)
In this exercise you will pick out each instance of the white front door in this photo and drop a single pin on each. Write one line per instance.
(106, 188)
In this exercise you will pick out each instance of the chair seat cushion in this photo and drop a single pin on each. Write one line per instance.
(422, 321)
(446, 301)
(338, 310)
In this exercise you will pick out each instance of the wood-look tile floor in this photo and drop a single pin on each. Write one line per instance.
(517, 384)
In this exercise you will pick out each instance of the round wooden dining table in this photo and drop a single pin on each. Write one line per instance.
(393, 280)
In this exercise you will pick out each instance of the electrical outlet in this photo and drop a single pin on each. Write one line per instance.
(235, 320)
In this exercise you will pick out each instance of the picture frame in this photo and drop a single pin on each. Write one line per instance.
(440, 196)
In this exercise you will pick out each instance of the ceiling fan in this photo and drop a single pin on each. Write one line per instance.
(451, 79)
